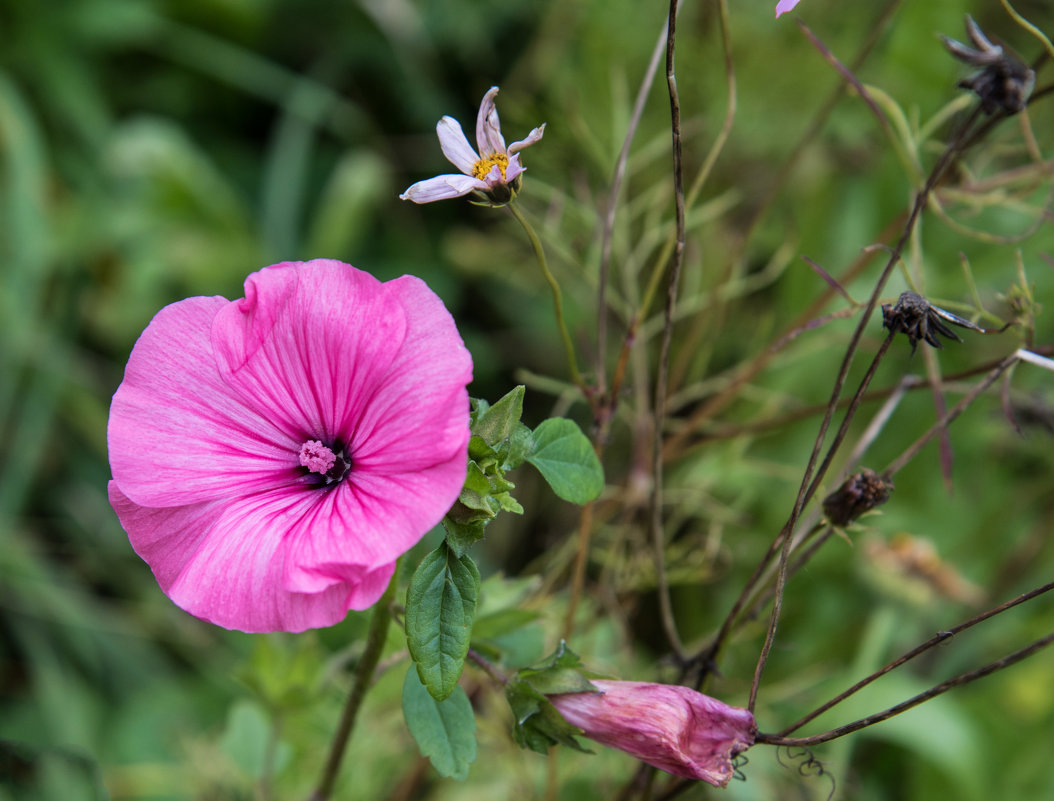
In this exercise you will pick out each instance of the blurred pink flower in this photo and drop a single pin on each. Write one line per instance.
(673, 728)
(493, 171)
(273, 456)
(783, 6)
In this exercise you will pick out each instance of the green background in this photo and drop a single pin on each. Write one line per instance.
(154, 150)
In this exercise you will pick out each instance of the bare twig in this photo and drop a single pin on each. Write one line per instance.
(658, 539)
(940, 637)
(904, 706)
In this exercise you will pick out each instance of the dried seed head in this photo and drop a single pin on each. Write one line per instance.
(1003, 82)
(918, 319)
(860, 493)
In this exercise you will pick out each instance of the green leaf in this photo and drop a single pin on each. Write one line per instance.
(502, 622)
(518, 448)
(567, 461)
(537, 724)
(246, 740)
(440, 607)
(462, 536)
(497, 423)
(445, 731)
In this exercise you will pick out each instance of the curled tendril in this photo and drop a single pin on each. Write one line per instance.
(739, 762)
(808, 765)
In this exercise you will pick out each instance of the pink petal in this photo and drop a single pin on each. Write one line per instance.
(529, 140)
(309, 344)
(177, 433)
(455, 145)
(225, 563)
(783, 6)
(409, 444)
(488, 129)
(442, 187)
(674, 728)
(419, 416)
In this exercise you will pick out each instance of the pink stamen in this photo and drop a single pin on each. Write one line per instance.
(316, 457)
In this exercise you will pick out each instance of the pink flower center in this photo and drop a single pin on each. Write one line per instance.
(316, 457)
(481, 169)
(319, 458)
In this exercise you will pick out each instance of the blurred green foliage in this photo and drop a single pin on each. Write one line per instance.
(153, 150)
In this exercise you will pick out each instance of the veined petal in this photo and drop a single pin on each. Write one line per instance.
(225, 562)
(783, 6)
(674, 728)
(409, 445)
(488, 128)
(367, 523)
(177, 433)
(418, 416)
(310, 343)
(528, 140)
(455, 145)
(442, 187)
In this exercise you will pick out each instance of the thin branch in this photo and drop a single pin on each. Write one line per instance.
(609, 218)
(658, 539)
(940, 637)
(933, 692)
(912, 450)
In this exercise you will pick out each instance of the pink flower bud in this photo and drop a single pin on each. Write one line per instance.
(673, 728)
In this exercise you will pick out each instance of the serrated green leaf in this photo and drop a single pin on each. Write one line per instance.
(462, 536)
(445, 731)
(479, 450)
(567, 461)
(440, 607)
(508, 503)
(476, 480)
(497, 423)
(518, 447)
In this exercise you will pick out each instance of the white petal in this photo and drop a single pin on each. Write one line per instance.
(488, 128)
(530, 139)
(442, 187)
(455, 145)
(513, 170)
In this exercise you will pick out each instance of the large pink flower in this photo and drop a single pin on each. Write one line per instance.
(783, 6)
(273, 456)
(673, 728)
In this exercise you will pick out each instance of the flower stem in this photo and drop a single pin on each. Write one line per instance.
(378, 633)
(558, 301)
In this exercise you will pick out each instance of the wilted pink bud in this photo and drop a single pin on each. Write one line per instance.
(674, 728)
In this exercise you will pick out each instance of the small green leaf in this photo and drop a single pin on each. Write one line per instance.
(537, 724)
(476, 479)
(462, 536)
(246, 740)
(445, 731)
(567, 461)
(497, 423)
(502, 622)
(508, 503)
(518, 448)
(479, 450)
(440, 607)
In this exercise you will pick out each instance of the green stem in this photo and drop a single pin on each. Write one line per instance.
(382, 617)
(558, 302)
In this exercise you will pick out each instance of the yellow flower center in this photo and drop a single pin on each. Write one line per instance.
(483, 167)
